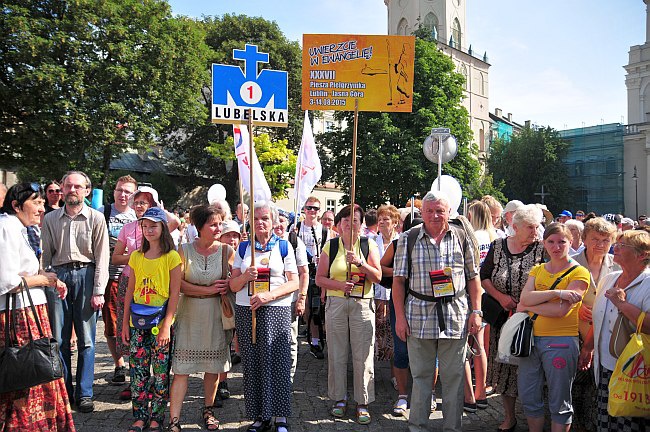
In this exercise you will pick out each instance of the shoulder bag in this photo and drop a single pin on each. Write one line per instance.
(622, 331)
(227, 311)
(493, 313)
(522, 342)
(36, 362)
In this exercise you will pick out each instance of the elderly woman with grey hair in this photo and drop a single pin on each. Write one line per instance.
(265, 289)
(504, 273)
(576, 227)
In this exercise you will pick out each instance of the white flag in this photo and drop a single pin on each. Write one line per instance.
(308, 168)
(262, 191)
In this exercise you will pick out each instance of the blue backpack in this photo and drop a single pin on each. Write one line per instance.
(284, 248)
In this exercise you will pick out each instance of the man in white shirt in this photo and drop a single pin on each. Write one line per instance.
(312, 233)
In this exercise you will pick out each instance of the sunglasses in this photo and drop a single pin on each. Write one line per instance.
(312, 208)
(56, 191)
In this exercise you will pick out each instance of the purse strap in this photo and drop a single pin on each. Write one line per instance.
(557, 281)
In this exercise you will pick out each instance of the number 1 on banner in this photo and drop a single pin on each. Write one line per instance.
(250, 92)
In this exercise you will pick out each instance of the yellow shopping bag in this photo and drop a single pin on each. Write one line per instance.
(629, 387)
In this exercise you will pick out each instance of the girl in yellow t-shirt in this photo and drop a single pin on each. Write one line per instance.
(554, 356)
(155, 283)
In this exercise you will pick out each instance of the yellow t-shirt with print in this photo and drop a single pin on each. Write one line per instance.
(152, 277)
(568, 324)
(339, 268)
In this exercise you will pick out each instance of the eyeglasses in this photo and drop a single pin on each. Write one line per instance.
(312, 208)
(141, 203)
(55, 191)
(618, 245)
(124, 191)
(599, 242)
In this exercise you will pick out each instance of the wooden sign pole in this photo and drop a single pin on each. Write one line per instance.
(353, 180)
(251, 214)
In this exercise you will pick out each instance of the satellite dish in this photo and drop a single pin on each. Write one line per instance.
(452, 189)
(216, 193)
(449, 148)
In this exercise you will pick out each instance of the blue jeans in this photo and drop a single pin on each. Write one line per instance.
(75, 310)
(400, 351)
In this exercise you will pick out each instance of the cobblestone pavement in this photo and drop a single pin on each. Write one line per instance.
(310, 404)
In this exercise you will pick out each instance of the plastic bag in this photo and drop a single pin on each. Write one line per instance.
(629, 387)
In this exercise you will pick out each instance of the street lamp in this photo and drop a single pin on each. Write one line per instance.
(636, 194)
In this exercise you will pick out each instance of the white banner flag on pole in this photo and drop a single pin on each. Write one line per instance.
(262, 191)
(308, 167)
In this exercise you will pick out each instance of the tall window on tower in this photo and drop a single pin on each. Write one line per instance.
(402, 27)
(431, 23)
(456, 33)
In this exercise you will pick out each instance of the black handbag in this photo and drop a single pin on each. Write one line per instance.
(493, 313)
(522, 342)
(36, 362)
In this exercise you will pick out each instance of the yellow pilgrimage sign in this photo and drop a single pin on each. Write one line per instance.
(376, 70)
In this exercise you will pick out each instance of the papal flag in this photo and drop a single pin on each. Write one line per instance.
(244, 161)
(308, 168)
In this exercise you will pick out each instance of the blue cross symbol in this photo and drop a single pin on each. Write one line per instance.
(251, 58)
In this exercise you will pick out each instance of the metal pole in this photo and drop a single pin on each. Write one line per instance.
(439, 162)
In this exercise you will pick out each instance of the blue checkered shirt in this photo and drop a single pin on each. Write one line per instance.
(427, 256)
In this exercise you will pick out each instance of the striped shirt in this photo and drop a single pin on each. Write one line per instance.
(82, 238)
(427, 256)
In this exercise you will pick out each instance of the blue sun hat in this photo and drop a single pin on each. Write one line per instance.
(155, 214)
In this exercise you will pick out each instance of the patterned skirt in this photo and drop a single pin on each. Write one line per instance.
(502, 377)
(122, 285)
(605, 422)
(44, 407)
(383, 333)
(267, 364)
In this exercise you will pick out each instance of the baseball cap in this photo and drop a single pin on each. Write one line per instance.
(513, 206)
(627, 221)
(566, 213)
(230, 226)
(155, 214)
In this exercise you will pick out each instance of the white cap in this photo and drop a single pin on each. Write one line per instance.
(146, 189)
(513, 205)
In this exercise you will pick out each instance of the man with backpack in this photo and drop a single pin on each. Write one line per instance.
(314, 235)
(436, 268)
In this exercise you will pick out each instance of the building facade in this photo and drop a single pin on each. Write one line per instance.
(446, 21)
(637, 133)
(596, 169)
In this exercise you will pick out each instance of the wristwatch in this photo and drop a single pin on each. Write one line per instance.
(478, 312)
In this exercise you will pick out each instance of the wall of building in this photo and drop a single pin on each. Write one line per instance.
(595, 167)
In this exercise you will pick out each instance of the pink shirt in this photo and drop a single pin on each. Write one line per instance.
(131, 236)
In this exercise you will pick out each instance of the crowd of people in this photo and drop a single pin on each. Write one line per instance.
(182, 294)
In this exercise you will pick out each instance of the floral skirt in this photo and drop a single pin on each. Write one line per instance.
(383, 333)
(44, 407)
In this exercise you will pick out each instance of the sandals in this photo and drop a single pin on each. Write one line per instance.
(209, 420)
(363, 416)
(278, 425)
(400, 407)
(135, 428)
(339, 408)
(264, 426)
(174, 425)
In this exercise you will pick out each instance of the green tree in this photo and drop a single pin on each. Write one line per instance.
(277, 160)
(391, 165)
(84, 81)
(223, 34)
(529, 160)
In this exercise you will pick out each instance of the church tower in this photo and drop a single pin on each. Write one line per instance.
(445, 19)
(637, 136)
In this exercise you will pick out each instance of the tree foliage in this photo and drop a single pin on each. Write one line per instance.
(529, 160)
(391, 165)
(84, 80)
(277, 160)
(197, 143)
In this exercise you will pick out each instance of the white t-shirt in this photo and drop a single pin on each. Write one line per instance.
(483, 238)
(277, 271)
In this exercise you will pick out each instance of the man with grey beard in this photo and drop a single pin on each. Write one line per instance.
(75, 244)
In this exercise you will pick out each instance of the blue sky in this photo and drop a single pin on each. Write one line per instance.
(557, 63)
